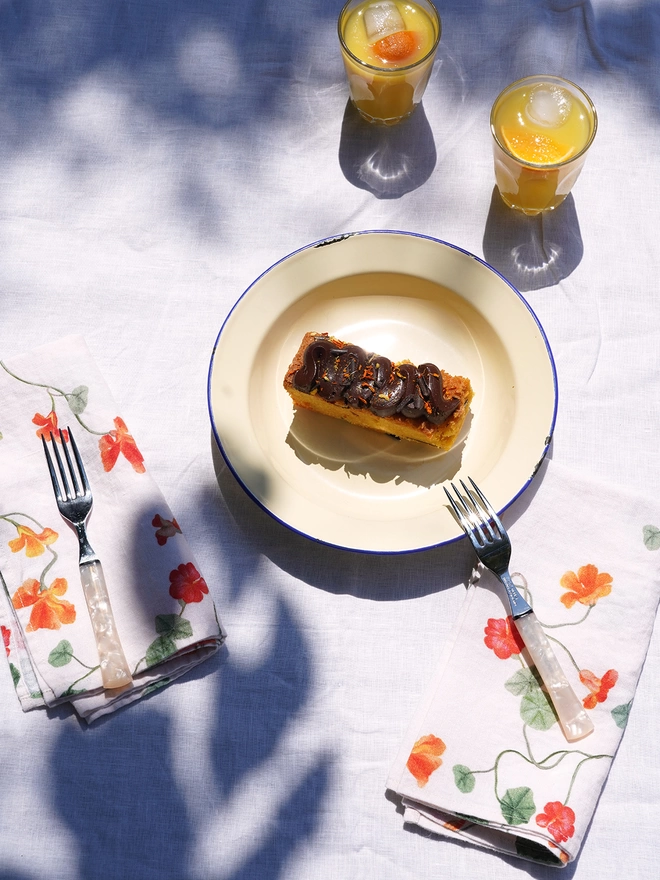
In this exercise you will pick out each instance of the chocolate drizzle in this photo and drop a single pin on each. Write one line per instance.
(369, 381)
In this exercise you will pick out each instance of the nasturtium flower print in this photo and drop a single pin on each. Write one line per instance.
(503, 638)
(165, 528)
(49, 611)
(6, 638)
(187, 584)
(425, 758)
(32, 542)
(120, 441)
(558, 819)
(586, 587)
(47, 427)
(599, 687)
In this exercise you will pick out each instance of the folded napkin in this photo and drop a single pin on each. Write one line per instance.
(164, 614)
(485, 760)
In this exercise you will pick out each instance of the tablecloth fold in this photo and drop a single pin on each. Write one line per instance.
(485, 760)
(165, 617)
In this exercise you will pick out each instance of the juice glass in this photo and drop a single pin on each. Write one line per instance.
(387, 77)
(542, 127)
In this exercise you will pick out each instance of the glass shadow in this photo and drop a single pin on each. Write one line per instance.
(387, 161)
(532, 252)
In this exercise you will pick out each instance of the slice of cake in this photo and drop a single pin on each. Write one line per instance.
(344, 381)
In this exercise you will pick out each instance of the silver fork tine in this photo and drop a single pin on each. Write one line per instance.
(60, 465)
(51, 468)
(72, 470)
(491, 543)
(81, 467)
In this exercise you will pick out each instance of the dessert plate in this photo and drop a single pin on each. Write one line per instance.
(404, 296)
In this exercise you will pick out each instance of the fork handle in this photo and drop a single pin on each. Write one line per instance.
(115, 672)
(573, 719)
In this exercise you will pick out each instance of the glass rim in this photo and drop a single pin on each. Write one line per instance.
(388, 70)
(545, 77)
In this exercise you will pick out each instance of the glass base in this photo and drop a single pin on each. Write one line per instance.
(375, 120)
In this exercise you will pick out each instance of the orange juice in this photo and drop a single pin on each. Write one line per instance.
(542, 127)
(388, 48)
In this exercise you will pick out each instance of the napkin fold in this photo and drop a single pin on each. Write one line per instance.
(485, 760)
(164, 613)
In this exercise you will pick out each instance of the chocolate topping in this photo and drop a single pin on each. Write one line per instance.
(362, 380)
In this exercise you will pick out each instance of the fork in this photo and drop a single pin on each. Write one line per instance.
(74, 502)
(492, 545)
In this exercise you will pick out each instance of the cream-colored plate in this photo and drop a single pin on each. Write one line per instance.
(404, 296)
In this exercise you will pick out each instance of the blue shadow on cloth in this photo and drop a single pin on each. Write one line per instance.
(118, 795)
(532, 252)
(247, 731)
(386, 160)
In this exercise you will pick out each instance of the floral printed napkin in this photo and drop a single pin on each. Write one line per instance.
(164, 614)
(485, 760)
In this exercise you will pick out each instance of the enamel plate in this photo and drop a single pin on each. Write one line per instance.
(407, 297)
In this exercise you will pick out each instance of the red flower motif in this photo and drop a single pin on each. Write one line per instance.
(558, 819)
(425, 758)
(503, 637)
(165, 528)
(114, 442)
(6, 636)
(187, 584)
(599, 687)
(47, 426)
(48, 610)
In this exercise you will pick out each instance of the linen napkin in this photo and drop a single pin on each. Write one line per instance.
(485, 760)
(164, 614)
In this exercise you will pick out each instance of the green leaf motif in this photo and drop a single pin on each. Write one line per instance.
(523, 682)
(15, 674)
(173, 626)
(61, 654)
(651, 537)
(475, 819)
(155, 686)
(536, 710)
(620, 714)
(77, 399)
(161, 648)
(464, 778)
(518, 805)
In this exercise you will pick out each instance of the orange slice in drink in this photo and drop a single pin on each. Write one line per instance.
(396, 47)
(540, 149)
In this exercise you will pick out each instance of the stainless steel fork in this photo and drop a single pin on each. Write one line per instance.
(74, 501)
(492, 545)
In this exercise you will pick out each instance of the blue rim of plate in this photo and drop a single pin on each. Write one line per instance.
(332, 240)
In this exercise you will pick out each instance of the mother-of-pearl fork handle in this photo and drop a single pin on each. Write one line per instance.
(573, 719)
(114, 668)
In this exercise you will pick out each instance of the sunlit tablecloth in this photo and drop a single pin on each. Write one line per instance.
(156, 157)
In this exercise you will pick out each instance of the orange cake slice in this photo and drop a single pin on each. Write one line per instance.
(411, 402)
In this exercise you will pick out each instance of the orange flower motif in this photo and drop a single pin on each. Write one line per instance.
(114, 442)
(503, 637)
(558, 819)
(586, 587)
(599, 687)
(425, 758)
(34, 543)
(47, 426)
(48, 610)
(6, 638)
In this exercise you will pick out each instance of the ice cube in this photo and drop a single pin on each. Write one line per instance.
(548, 105)
(382, 19)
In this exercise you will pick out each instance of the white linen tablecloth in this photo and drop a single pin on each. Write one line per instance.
(155, 158)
